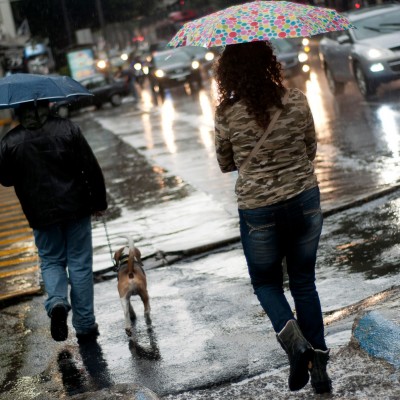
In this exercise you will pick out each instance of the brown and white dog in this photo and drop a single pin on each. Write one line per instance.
(131, 281)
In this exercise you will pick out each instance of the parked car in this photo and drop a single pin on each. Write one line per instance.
(105, 90)
(369, 54)
(293, 58)
(174, 68)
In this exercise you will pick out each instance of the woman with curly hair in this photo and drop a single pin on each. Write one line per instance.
(266, 133)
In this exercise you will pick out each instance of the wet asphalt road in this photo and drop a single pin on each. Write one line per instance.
(207, 327)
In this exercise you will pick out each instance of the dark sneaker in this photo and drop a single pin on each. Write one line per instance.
(59, 327)
(89, 336)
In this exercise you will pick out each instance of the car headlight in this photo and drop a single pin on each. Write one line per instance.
(374, 54)
(159, 73)
(378, 67)
(137, 66)
(209, 56)
(101, 64)
(303, 57)
(195, 64)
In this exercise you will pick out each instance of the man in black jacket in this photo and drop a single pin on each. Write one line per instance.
(59, 184)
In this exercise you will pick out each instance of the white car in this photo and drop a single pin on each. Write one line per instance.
(369, 54)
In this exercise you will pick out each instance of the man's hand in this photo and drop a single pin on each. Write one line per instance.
(98, 214)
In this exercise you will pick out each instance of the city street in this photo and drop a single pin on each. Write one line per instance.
(209, 338)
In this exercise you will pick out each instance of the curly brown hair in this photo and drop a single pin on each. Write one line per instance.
(250, 72)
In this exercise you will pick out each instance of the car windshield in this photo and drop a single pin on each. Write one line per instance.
(195, 51)
(94, 82)
(170, 58)
(377, 25)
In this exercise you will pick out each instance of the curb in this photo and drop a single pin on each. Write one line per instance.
(161, 258)
(119, 392)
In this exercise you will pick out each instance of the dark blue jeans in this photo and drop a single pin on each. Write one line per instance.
(290, 229)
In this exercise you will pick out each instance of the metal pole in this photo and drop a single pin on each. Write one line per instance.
(66, 22)
(102, 26)
(101, 15)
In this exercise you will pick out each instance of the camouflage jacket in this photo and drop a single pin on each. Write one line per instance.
(283, 166)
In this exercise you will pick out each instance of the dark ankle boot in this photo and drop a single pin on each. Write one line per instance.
(319, 377)
(299, 351)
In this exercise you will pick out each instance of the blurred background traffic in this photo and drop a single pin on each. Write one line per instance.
(115, 47)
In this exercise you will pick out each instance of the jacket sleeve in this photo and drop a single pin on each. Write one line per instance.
(6, 175)
(91, 172)
(223, 145)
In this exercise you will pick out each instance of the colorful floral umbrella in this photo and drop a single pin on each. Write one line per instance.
(259, 20)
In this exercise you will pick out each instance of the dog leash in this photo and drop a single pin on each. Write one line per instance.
(109, 243)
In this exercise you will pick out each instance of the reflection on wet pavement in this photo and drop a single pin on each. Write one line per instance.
(132, 182)
(95, 364)
(365, 242)
(73, 379)
(358, 142)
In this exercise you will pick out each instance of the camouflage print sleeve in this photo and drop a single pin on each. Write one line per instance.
(223, 145)
(309, 135)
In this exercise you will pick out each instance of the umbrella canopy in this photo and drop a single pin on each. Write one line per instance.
(259, 20)
(22, 88)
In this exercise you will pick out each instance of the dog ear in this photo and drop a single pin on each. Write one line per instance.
(137, 254)
(117, 256)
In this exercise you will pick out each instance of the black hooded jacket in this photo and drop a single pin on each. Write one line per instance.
(53, 170)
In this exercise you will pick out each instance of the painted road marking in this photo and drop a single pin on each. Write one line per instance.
(19, 262)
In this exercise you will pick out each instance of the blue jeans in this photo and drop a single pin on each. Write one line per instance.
(289, 229)
(63, 245)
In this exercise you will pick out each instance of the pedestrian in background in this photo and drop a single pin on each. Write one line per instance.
(266, 132)
(59, 184)
(128, 77)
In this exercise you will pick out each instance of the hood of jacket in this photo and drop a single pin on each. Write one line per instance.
(33, 115)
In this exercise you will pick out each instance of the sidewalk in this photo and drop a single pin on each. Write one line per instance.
(365, 368)
(208, 331)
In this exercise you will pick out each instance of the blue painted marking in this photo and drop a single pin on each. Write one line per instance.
(379, 337)
(142, 396)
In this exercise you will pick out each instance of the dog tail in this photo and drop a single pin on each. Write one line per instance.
(131, 258)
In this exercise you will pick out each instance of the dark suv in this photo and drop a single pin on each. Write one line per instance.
(174, 68)
(370, 54)
(105, 90)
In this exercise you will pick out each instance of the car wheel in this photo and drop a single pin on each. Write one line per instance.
(366, 87)
(63, 112)
(116, 100)
(335, 87)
